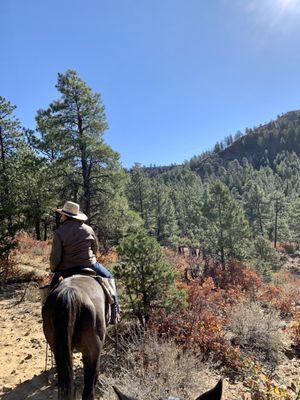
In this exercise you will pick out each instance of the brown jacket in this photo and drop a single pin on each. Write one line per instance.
(74, 245)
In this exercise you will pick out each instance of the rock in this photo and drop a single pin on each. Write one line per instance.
(28, 357)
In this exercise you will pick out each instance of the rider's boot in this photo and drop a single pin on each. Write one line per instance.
(115, 308)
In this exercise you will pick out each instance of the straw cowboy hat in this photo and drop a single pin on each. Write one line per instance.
(71, 209)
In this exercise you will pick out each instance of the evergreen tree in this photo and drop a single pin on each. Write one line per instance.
(147, 277)
(71, 131)
(37, 192)
(256, 207)
(185, 190)
(139, 194)
(279, 229)
(10, 140)
(264, 257)
(226, 230)
(164, 226)
(294, 221)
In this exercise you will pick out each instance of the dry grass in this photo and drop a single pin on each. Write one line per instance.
(150, 368)
(257, 331)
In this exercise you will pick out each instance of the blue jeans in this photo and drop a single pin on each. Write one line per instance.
(101, 270)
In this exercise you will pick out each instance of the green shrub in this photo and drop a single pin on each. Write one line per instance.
(148, 279)
(264, 257)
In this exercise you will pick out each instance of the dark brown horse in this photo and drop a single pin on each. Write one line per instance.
(213, 394)
(74, 317)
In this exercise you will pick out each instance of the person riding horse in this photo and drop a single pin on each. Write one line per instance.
(75, 246)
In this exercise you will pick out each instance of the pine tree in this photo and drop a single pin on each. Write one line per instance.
(139, 194)
(71, 137)
(147, 277)
(37, 192)
(294, 221)
(10, 140)
(226, 230)
(165, 226)
(72, 133)
(256, 207)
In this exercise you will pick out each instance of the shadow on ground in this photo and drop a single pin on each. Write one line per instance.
(43, 387)
(37, 388)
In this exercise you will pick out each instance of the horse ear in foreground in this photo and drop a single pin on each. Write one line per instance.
(213, 394)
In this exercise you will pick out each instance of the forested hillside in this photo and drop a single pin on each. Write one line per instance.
(260, 145)
(229, 202)
(206, 253)
(245, 190)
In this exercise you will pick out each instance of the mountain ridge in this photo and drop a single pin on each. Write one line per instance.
(259, 145)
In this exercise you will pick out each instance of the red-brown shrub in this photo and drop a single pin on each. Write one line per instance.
(108, 257)
(200, 327)
(203, 325)
(8, 270)
(234, 275)
(29, 246)
(295, 328)
(275, 296)
(180, 260)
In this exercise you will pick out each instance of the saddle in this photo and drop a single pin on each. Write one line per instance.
(105, 283)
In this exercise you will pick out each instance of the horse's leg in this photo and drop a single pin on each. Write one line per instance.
(91, 369)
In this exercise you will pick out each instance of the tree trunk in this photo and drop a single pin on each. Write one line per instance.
(260, 221)
(87, 197)
(38, 228)
(85, 176)
(45, 230)
(276, 223)
(2, 150)
(221, 237)
(141, 202)
(222, 257)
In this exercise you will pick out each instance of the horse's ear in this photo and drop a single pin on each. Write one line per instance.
(213, 394)
(122, 396)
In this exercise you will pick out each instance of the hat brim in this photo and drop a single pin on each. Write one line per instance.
(80, 216)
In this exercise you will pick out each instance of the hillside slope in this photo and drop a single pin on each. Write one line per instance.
(260, 145)
(266, 141)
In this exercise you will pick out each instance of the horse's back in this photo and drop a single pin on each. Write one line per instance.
(83, 296)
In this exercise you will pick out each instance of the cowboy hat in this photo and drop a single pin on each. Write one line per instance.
(71, 209)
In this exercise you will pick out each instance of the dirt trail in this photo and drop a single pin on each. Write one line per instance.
(23, 347)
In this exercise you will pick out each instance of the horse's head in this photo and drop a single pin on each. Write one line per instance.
(213, 394)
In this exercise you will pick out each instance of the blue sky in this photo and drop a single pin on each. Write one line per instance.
(175, 75)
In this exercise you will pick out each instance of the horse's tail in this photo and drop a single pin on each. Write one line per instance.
(66, 310)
